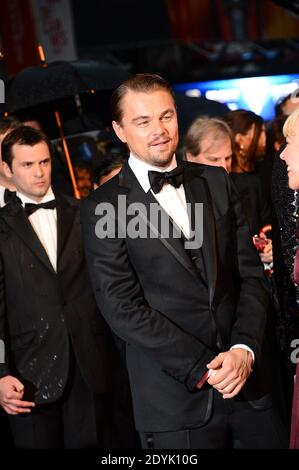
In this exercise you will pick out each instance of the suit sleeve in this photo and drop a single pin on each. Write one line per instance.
(253, 288)
(120, 298)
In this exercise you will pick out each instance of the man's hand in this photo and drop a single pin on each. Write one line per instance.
(230, 371)
(11, 394)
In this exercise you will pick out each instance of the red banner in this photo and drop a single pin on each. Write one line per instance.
(18, 35)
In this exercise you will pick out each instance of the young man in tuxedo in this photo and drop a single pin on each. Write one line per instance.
(55, 380)
(192, 313)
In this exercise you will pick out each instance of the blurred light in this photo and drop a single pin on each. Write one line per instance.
(194, 93)
(255, 92)
(231, 94)
(258, 94)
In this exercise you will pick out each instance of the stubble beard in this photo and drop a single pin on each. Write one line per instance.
(162, 160)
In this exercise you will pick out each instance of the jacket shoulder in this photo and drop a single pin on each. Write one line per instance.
(66, 199)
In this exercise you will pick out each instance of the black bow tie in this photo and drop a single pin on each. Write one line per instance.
(31, 208)
(158, 179)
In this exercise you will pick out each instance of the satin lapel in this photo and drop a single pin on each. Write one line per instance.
(197, 190)
(136, 194)
(65, 219)
(16, 218)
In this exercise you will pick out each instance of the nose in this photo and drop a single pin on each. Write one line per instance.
(158, 127)
(39, 171)
(282, 156)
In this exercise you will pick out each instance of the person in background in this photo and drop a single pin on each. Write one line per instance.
(290, 155)
(192, 316)
(83, 177)
(285, 209)
(209, 141)
(287, 104)
(249, 139)
(249, 144)
(56, 379)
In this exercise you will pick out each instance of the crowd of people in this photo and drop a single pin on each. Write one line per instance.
(160, 310)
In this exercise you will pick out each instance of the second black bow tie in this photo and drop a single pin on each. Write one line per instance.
(31, 208)
(158, 179)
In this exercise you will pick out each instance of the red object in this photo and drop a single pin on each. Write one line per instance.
(296, 267)
(18, 35)
(260, 243)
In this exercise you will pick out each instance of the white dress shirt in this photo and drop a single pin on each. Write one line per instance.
(2, 191)
(173, 200)
(44, 223)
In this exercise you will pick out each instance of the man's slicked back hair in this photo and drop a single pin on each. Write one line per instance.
(142, 83)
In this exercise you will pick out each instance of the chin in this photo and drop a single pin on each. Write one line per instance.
(162, 160)
(293, 184)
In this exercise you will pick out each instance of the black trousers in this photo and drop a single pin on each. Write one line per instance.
(6, 438)
(78, 420)
(233, 424)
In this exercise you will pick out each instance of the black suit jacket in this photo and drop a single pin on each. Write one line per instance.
(41, 311)
(153, 297)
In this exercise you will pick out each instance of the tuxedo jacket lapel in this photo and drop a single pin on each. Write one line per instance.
(135, 193)
(17, 220)
(197, 190)
(65, 219)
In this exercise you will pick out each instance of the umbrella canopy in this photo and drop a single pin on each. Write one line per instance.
(42, 84)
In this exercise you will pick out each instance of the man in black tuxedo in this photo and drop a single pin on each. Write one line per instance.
(56, 376)
(192, 314)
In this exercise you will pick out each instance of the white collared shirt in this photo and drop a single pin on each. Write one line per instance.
(173, 200)
(44, 223)
(2, 191)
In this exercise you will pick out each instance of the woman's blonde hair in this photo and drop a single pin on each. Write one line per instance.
(291, 126)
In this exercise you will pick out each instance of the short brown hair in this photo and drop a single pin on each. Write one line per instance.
(200, 129)
(141, 82)
(23, 135)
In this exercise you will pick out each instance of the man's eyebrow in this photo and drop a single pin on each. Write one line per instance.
(139, 118)
(167, 111)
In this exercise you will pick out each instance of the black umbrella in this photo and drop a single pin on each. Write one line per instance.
(49, 83)
(45, 83)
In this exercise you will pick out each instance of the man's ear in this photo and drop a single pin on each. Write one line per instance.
(6, 170)
(119, 131)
